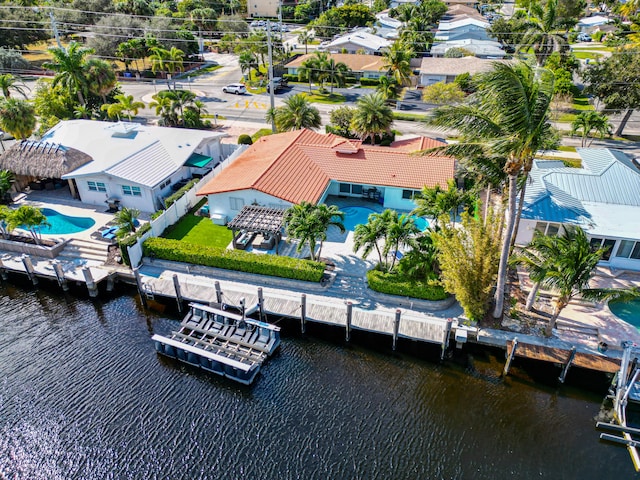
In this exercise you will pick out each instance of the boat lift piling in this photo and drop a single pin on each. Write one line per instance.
(565, 370)
(91, 284)
(396, 328)
(57, 268)
(28, 266)
(218, 292)
(512, 354)
(3, 271)
(303, 312)
(347, 327)
(176, 286)
(447, 336)
(260, 304)
(143, 296)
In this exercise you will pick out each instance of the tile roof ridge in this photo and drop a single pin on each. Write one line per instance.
(275, 159)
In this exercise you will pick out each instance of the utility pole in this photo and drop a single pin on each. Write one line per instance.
(54, 27)
(271, 93)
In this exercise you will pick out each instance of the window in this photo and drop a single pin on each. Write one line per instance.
(345, 188)
(408, 194)
(629, 249)
(546, 228)
(606, 243)
(356, 189)
(97, 186)
(131, 191)
(236, 203)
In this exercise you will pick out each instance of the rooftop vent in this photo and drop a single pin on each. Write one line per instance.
(124, 130)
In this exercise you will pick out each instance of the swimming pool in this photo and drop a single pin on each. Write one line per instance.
(627, 311)
(64, 224)
(360, 215)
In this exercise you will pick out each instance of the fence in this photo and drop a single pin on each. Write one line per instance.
(181, 206)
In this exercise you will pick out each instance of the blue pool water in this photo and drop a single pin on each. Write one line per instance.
(629, 312)
(64, 224)
(360, 215)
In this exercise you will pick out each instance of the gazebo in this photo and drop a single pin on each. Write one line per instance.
(263, 222)
(30, 160)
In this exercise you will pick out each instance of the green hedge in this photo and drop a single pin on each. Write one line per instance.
(171, 199)
(394, 284)
(131, 240)
(369, 82)
(273, 265)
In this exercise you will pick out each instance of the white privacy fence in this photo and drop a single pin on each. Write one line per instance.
(181, 206)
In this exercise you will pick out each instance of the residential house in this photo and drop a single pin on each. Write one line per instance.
(367, 66)
(439, 69)
(602, 197)
(132, 163)
(589, 24)
(285, 169)
(263, 8)
(359, 42)
(479, 48)
(460, 28)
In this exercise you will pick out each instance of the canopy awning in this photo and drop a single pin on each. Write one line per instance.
(197, 160)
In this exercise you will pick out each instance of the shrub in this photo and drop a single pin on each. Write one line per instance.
(131, 240)
(273, 265)
(370, 82)
(290, 77)
(156, 214)
(395, 284)
(171, 199)
(245, 139)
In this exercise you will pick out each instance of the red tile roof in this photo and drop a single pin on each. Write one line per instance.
(299, 165)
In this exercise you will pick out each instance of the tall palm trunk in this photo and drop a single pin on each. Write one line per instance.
(531, 298)
(516, 224)
(487, 202)
(506, 247)
(81, 98)
(559, 306)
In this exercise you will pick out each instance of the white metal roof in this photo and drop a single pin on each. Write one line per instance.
(137, 151)
(362, 39)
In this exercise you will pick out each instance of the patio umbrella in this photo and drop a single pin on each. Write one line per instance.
(42, 159)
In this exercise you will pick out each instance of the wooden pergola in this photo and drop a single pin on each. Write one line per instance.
(253, 220)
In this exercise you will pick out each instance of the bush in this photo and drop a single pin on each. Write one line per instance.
(245, 139)
(395, 284)
(131, 240)
(369, 82)
(273, 265)
(156, 214)
(290, 77)
(171, 199)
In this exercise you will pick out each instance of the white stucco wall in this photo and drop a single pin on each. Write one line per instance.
(143, 203)
(393, 199)
(220, 203)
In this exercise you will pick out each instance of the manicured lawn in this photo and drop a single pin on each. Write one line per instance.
(566, 148)
(261, 133)
(583, 55)
(410, 117)
(317, 97)
(202, 71)
(200, 231)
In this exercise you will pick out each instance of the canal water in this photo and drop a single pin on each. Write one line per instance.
(83, 395)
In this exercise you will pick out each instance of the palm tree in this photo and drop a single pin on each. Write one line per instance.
(367, 236)
(5, 213)
(6, 181)
(397, 61)
(164, 108)
(308, 71)
(28, 218)
(247, 61)
(401, 232)
(126, 105)
(127, 220)
(101, 79)
(158, 59)
(17, 117)
(588, 122)
(174, 60)
(296, 113)
(542, 33)
(336, 73)
(82, 111)
(321, 66)
(564, 264)
(309, 223)
(69, 66)
(305, 37)
(435, 202)
(372, 117)
(10, 82)
(507, 117)
(388, 87)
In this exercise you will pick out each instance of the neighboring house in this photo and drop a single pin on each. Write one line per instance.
(397, 3)
(460, 28)
(386, 21)
(263, 8)
(438, 69)
(480, 48)
(133, 163)
(368, 66)
(456, 12)
(285, 169)
(357, 42)
(602, 197)
(466, 3)
(587, 24)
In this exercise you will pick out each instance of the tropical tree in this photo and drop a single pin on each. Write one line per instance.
(126, 105)
(441, 93)
(542, 32)
(308, 71)
(168, 61)
(133, 49)
(6, 180)
(101, 79)
(69, 65)
(367, 237)
(435, 202)
(372, 117)
(507, 117)
(82, 111)
(340, 119)
(127, 220)
(17, 117)
(401, 232)
(309, 223)
(247, 61)
(564, 264)
(588, 122)
(336, 73)
(421, 261)
(163, 106)
(397, 61)
(388, 87)
(10, 82)
(305, 37)
(468, 259)
(28, 218)
(5, 212)
(296, 113)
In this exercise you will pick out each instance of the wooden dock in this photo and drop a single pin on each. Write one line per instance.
(306, 308)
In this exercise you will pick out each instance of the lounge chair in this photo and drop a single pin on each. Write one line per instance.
(108, 231)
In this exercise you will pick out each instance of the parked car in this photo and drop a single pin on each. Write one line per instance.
(584, 37)
(237, 88)
(278, 84)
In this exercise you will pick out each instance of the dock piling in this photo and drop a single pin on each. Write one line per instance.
(507, 365)
(260, 304)
(303, 312)
(3, 271)
(218, 293)
(91, 284)
(348, 323)
(176, 286)
(143, 297)
(447, 336)
(396, 327)
(57, 268)
(111, 281)
(565, 370)
(28, 266)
